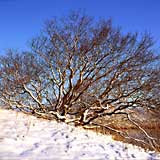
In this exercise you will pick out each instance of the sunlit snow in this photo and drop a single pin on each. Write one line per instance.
(27, 137)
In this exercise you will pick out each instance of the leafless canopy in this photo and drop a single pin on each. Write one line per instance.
(80, 70)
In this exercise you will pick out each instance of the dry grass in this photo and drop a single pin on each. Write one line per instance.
(132, 134)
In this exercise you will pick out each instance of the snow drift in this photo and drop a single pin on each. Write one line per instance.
(27, 137)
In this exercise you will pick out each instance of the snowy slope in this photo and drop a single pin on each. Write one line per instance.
(27, 137)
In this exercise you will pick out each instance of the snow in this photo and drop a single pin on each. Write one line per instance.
(27, 137)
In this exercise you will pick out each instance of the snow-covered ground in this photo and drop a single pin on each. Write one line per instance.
(27, 137)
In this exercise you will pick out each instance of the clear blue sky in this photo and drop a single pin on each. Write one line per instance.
(20, 20)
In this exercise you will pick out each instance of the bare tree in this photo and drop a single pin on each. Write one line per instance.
(17, 71)
(81, 70)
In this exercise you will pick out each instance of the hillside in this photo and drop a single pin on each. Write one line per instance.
(27, 137)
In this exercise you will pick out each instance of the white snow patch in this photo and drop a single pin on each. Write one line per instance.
(27, 137)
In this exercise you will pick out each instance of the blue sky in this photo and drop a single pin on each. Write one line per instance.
(20, 20)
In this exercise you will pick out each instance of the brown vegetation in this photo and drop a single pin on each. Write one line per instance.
(123, 130)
